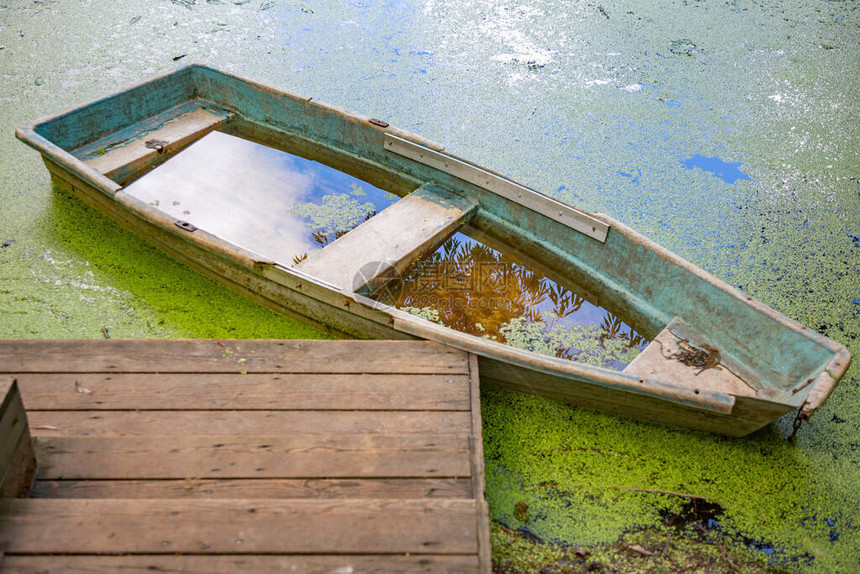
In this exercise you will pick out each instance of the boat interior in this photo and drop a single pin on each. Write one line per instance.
(366, 209)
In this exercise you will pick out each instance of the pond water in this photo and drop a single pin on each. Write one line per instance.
(273, 203)
(474, 288)
(605, 105)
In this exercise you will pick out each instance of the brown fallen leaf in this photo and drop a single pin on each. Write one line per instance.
(81, 389)
(45, 427)
(639, 550)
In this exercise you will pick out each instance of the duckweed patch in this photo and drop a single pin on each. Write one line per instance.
(610, 475)
(770, 85)
(643, 551)
(338, 213)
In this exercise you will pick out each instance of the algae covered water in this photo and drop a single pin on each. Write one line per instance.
(726, 132)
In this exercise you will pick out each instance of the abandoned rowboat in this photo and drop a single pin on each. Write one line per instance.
(376, 233)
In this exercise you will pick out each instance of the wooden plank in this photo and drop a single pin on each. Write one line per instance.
(13, 421)
(347, 391)
(310, 423)
(282, 456)
(17, 462)
(237, 526)
(151, 144)
(228, 356)
(478, 481)
(19, 475)
(657, 362)
(229, 564)
(388, 243)
(574, 218)
(390, 488)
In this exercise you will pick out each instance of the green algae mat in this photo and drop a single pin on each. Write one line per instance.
(725, 132)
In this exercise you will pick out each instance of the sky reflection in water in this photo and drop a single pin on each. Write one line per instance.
(270, 202)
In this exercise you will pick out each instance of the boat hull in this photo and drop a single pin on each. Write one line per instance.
(768, 366)
(337, 316)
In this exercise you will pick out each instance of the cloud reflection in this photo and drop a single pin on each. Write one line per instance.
(243, 192)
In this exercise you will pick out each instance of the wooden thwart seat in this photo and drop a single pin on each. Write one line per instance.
(661, 359)
(121, 156)
(387, 243)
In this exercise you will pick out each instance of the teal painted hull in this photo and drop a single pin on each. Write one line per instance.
(758, 364)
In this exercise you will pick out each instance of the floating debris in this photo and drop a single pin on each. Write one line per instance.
(521, 511)
(157, 145)
(704, 357)
(683, 47)
(82, 390)
(639, 550)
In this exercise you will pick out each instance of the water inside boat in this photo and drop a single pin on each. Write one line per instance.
(273, 203)
(469, 286)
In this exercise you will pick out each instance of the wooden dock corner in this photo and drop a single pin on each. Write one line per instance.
(247, 456)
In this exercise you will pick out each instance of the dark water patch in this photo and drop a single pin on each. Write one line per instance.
(728, 171)
(633, 175)
(279, 205)
(696, 516)
(700, 519)
(683, 47)
(480, 290)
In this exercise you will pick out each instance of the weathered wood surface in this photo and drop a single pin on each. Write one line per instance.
(260, 488)
(238, 526)
(254, 456)
(478, 479)
(660, 360)
(389, 242)
(223, 456)
(228, 356)
(303, 391)
(119, 159)
(280, 423)
(17, 462)
(246, 564)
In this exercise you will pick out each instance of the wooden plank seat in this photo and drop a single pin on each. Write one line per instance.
(247, 456)
(388, 243)
(126, 153)
(661, 359)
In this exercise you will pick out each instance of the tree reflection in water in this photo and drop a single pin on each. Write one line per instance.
(475, 289)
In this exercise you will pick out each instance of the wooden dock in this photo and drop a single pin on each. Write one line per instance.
(247, 456)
